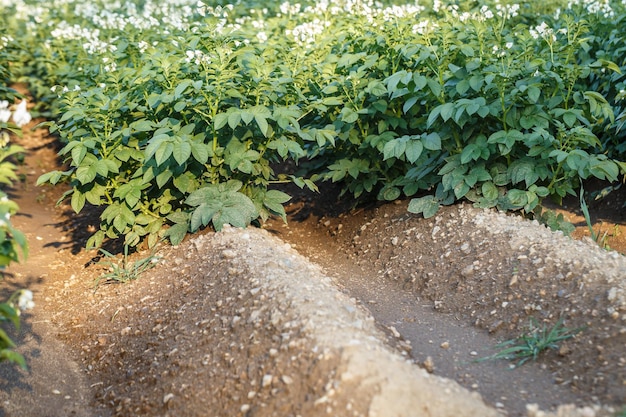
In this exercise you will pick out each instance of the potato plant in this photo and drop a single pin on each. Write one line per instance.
(174, 116)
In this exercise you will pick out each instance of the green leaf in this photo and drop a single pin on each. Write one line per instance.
(181, 151)
(427, 206)
(394, 149)
(467, 50)
(234, 117)
(462, 86)
(460, 189)
(476, 82)
(12, 356)
(348, 115)
(489, 191)
(433, 115)
(11, 314)
(95, 241)
(332, 101)
(78, 201)
(130, 192)
(102, 167)
(222, 208)
(87, 172)
(220, 120)
(376, 88)
(506, 139)
(200, 152)
(604, 169)
(413, 150)
(176, 233)
(186, 183)
(154, 143)
(389, 193)
(181, 87)
(447, 110)
(142, 125)
(470, 153)
(163, 177)
(533, 94)
(163, 152)
(517, 198)
(432, 141)
(246, 116)
(261, 114)
(78, 153)
(523, 170)
(53, 177)
(274, 200)
(604, 63)
(343, 167)
(569, 118)
(409, 104)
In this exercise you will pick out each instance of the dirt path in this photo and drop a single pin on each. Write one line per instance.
(240, 324)
(55, 385)
(467, 276)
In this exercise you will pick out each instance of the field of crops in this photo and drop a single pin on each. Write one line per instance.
(175, 115)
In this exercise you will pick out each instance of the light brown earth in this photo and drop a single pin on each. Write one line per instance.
(340, 312)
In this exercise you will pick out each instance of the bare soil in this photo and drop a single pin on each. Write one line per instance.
(251, 322)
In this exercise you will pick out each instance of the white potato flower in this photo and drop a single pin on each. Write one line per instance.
(21, 116)
(25, 300)
(5, 113)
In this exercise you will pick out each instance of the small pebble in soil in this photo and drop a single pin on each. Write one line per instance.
(429, 365)
(395, 332)
(445, 345)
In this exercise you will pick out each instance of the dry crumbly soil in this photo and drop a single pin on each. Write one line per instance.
(370, 311)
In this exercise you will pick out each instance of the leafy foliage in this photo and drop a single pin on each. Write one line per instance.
(178, 123)
(553, 220)
(12, 241)
(9, 313)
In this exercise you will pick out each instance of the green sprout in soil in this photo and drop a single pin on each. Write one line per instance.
(125, 270)
(600, 239)
(532, 343)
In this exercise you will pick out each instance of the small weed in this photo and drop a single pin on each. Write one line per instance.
(125, 270)
(600, 239)
(585, 210)
(531, 344)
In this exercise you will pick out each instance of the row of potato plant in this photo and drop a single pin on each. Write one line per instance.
(13, 244)
(477, 107)
(174, 116)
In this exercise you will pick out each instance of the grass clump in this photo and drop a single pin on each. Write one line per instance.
(536, 340)
(125, 270)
